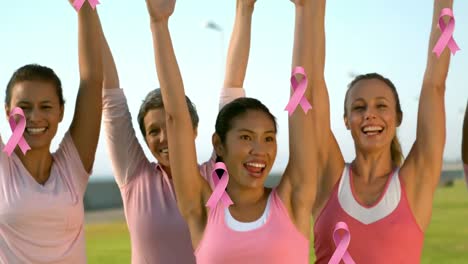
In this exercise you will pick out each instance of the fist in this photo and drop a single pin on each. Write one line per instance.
(160, 9)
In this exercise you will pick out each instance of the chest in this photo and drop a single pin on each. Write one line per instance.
(32, 208)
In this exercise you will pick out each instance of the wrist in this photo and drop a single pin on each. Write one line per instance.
(159, 22)
(243, 7)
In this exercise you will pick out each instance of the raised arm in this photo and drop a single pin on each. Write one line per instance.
(124, 150)
(111, 76)
(465, 137)
(239, 45)
(86, 123)
(298, 186)
(309, 50)
(421, 170)
(188, 183)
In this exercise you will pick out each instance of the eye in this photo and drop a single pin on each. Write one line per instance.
(24, 107)
(270, 139)
(358, 107)
(46, 107)
(154, 132)
(245, 137)
(381, 106)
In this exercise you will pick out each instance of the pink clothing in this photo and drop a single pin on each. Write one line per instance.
(43, 223)
(158, 232)
(275, 242)
(394, 237)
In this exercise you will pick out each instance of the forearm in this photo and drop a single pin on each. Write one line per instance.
(239, 46)
(437, 67)
(90, 60)
(182, 154)
(170, 80)
(111, 76)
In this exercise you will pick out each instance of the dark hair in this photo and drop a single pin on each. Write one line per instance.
(397, 155)
(153, 100)
(235, 109)
(34, 72)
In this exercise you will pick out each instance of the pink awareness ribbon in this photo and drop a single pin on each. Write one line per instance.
(77, 4)
(219, 192)
(299, 89)
(341, 251)
(446, 38)
(18, 130)
(465, 168)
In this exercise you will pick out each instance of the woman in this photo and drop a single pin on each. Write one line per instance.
(157, 230)
(262, 225)
(385, 201)
(41, 193)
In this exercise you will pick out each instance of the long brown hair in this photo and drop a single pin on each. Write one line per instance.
(395, 148)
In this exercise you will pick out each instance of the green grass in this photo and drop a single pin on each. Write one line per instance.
(446, 239)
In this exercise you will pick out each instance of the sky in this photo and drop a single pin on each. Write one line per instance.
(388, 37)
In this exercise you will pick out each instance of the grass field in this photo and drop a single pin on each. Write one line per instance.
(446, 239)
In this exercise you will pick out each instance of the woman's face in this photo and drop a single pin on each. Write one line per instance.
(41, 106)
(250, 149)
(156, 136)
(371, 115)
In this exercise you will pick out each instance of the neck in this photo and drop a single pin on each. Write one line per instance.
(38, 162)
(370, 166)
(242, 196)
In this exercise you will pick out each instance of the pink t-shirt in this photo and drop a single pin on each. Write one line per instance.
(158, 232)
(277, 241)
(43, 223)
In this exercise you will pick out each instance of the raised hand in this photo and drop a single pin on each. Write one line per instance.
(160, 10)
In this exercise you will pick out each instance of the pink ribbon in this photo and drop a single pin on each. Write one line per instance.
(341, 244)
(465, 167)
(219, 192)
(77, 4)
(446, 38)
(18, 130)
(299, 89)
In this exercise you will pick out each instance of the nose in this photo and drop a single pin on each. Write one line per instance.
(33, 114)
(162, 136)
(369, 114)
(258, 148)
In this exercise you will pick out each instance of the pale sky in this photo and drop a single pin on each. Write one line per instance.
(388, 37)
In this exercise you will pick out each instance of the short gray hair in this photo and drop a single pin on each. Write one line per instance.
(153, 100)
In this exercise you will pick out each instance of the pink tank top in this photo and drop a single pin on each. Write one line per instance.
(277, 241)
(385, 232)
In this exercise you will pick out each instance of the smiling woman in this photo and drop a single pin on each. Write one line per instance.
(41, 193)
(38, 92)
(249, 223)
(158, 232)
(379, 193)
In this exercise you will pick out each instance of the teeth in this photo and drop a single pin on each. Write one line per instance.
(372, 129)
(35, 130)
(164, 150)
(257, 165)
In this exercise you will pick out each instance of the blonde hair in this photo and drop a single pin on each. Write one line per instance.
(395, 148)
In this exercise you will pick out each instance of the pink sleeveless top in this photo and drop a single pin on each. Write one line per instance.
(277, 241)
(385, 232)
